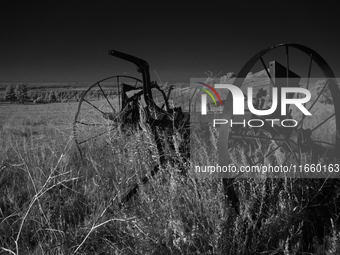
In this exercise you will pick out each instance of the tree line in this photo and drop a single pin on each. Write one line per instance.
(20, 94)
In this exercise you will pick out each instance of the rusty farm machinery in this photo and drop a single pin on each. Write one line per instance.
(313, 138)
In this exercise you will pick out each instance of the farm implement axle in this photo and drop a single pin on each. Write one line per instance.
(301, 138)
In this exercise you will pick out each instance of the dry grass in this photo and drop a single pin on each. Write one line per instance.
(53, 203)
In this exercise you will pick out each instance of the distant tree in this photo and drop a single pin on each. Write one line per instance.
(81, 94)
(34, 95)
(45, 96)
(39, 100)
(21, 92)
(61, 95)
(10, 94)
(52, 97)
(57, 95)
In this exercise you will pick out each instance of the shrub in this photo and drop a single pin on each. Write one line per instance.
(33, 95)
(10, 94)
(52, 98)
(21, 92)
(39, 100)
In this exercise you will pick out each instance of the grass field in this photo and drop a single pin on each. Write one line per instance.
(52, 202)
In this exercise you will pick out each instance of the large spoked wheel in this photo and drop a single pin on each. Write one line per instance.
(100, 110)
(315, 138)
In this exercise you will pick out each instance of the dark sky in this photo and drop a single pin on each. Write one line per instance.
(69, 41)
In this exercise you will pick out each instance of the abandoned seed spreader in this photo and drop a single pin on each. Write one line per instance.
(109, 104)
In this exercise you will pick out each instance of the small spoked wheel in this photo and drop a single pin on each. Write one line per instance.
(101, 110)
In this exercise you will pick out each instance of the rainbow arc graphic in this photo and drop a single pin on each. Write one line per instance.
(204, 97)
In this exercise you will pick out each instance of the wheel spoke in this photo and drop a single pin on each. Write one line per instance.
(92, 124)
(323, 88)
(100, 134)
(93, 106)
(309, 70)
(317, 98)
(287, 63)
(308, 78)
(265, 68)
(287, 73)
(292, 151)
(106, 97)
(300, 154)
(323, 122)
(316, 141)
(290, 154)
(119, 92)
(257, 137)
